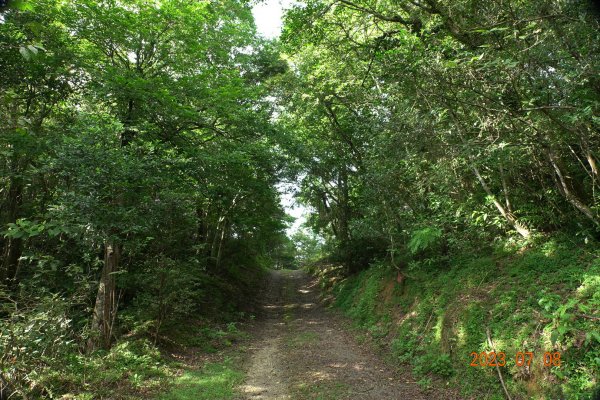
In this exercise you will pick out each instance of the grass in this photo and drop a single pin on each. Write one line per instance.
(129, 368)
(543, 297)
(136, 369)
(215, 381)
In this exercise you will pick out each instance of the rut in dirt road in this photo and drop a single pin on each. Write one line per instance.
(302, 351)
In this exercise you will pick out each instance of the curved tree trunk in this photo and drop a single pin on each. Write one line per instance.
(568, 193)
(510, 218)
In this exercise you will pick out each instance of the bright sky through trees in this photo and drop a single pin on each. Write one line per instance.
(268, 17)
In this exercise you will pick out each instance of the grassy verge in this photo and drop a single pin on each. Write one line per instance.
(543, 298)
(42, 349)
(214, 381)
(199, 368)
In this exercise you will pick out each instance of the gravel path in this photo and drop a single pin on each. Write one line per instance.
(302, 351)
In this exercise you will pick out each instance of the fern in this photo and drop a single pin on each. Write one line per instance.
(423, 239)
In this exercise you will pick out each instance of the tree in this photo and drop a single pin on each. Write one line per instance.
(444, 114)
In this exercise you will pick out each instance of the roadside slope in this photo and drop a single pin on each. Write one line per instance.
(540, 299)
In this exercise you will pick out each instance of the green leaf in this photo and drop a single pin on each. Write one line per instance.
(33, 49)
(564, 316)
(54, 232)
(554, 337)
(558, 373)
(22, 5)
(25, 53)
(35, 27)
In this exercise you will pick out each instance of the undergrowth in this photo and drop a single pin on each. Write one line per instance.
(41, 356)
(543, 297)
(213, 381)
(136, 369)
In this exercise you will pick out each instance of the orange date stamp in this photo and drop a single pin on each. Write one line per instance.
(522, 358)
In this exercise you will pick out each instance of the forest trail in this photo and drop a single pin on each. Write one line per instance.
(302, 351)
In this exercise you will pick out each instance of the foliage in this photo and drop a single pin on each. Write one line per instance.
(137, 184)
(308, 247)
(445, 146)
(471, 119)
(539, 300)
(423, 239)
(143, 142)
(213, 381)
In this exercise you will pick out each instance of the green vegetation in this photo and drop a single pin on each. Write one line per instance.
(446, 152)
(137, 188)
(537, 300)
(215, 381)
(449, 158)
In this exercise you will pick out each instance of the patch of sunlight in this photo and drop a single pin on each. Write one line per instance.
(500, 344)
(546, 338)
(589, 286)
(251, 389)
(406, 317)
(358, 367)
(216, 381)
(320, 375)
(549, 248)
(439, 326)
(461, 336)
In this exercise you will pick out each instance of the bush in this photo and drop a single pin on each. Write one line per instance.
(34, 342)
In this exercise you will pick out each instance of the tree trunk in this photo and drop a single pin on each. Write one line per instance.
(12, 247)
(202, 229)
(215, 239)
(568, 192)
(221, 240)
(592, 161)
(11, 255)
(510, 218)
(161, 304)
(344, 213)
(105, 307)
(505, 190)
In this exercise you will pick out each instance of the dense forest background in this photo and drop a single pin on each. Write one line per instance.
(450, 146)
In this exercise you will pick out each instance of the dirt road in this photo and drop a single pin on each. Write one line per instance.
(302, 351)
